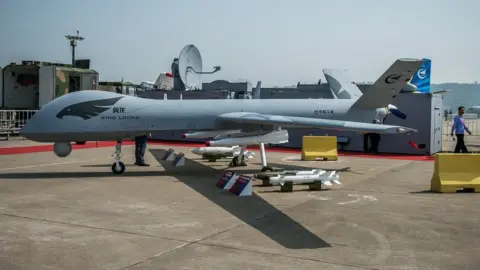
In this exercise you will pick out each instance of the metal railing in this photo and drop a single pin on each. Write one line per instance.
(12, 121)
(472, 121)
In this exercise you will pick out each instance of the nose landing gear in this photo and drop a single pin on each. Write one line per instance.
(118, 167)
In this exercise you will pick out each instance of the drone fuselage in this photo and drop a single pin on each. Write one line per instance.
(78, 116)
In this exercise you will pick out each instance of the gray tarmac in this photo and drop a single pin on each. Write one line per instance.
(73, 213)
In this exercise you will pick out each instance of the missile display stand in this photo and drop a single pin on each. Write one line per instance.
(314, 178)
(288, 186)
(265, 168)
(118, 167)
(235, 160)
(209, 158)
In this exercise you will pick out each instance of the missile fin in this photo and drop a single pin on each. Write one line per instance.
(327, 183)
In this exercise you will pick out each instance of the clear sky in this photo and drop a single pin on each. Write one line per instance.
(277, 41)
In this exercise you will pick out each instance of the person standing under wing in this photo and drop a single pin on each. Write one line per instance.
(140, 148)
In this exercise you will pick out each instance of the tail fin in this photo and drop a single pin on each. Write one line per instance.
(421, 79)
(256, 92)
(341, 86)
(381, 93)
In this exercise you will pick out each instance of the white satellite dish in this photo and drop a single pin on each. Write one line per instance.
(190, 67)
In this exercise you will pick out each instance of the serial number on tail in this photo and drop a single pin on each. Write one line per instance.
(323, 112)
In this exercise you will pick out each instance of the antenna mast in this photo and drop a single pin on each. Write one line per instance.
(73, 43)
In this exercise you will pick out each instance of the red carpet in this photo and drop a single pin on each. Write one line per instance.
(46, 148)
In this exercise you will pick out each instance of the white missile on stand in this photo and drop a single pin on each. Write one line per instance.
(275, 137)
(312, 171)
(208, 134)
(318, 175)
(222, 151)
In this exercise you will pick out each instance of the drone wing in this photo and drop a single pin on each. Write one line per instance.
(306, 122)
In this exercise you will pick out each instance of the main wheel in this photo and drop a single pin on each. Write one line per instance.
(118, 170)
(267, 169)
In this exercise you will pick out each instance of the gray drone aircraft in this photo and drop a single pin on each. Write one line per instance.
(92, 115)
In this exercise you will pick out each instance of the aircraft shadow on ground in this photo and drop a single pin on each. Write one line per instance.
(426, 191)
(253, 210)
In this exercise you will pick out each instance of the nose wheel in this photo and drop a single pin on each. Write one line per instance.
(118, 167)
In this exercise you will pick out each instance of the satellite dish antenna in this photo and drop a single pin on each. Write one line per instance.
(190, 67)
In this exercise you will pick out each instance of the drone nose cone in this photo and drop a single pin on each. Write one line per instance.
(33, 130)
(196, 151)
(207, 143)
(26, 130)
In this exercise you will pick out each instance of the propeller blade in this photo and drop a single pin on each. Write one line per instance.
(398, 114)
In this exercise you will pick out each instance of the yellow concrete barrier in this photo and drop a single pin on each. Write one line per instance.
(314, 147)
(456, 172)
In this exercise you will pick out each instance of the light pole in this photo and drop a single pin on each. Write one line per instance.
(73, 44)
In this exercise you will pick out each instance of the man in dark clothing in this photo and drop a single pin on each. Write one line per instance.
(140, 147)
(374, 139)
(374, 142)
(177, 81)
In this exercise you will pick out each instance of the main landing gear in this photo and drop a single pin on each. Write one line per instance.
(118, 167)
(263, 158)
